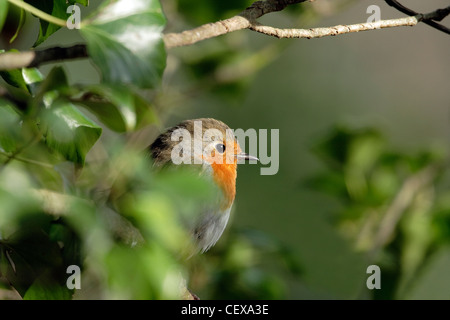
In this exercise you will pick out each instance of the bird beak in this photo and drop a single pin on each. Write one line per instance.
(245, 156)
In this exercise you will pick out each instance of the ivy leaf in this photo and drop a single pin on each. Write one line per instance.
(71, 254)
(56, 8)
(46, 288)
(9, 126)
(68, 131)
(26, 256)
(118, 108)
(203, 11)
(3, 12)
(124, 40)
(25, 78)
(53, 86)
(83, 2)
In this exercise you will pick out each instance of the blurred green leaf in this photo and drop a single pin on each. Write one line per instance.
(27, 255)
(124, 39)
(9, 126)
(185, 183)
(26, 78)
(424, 158)
(155, 275)
(60, 232)
(332, 183)
(55, 81)
(271, 247)
(3, 12)
(355, 147)
(365, 150)
(83, 2)
(68, 131)
(334, 149)
(204, 11)
(45, 288)
(152, 210)
(56, 8)
(384, 183)
(118, 107)
(4, 263)
(15, 198)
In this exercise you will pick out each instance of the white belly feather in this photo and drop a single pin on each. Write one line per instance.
(209, 228)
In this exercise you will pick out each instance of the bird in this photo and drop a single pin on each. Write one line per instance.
(210, 146)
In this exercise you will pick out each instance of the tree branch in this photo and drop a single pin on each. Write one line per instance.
(30, 59)
(342, 29)
(333, 31)
(243, 20)
(247, 19)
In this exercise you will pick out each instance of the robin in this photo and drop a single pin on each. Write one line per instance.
(210, 145)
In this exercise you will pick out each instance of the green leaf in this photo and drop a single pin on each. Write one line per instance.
(331, 182)
(3, 12)
(119, 108)
(46, 288)
(25, 78)
(9, 126)
(203, 11)
(55, 81)
(152, 279)
(55, 85)
(68, 131)
(26, 256)
(56, 8)
(343, 146)
(83, 2)
(60, 232)
(124, 40)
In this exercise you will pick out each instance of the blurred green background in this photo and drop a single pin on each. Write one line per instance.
(372, 105)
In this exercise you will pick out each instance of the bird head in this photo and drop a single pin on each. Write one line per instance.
(204, 142)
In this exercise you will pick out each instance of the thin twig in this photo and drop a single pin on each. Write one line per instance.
(441, 14)
(30, 59)
(243, 20)
(332, 31)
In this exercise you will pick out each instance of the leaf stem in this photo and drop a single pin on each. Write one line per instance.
(41, 14)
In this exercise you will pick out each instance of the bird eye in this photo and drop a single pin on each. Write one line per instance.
(220, 147)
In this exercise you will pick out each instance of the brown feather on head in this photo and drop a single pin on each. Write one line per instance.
(161, 148)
